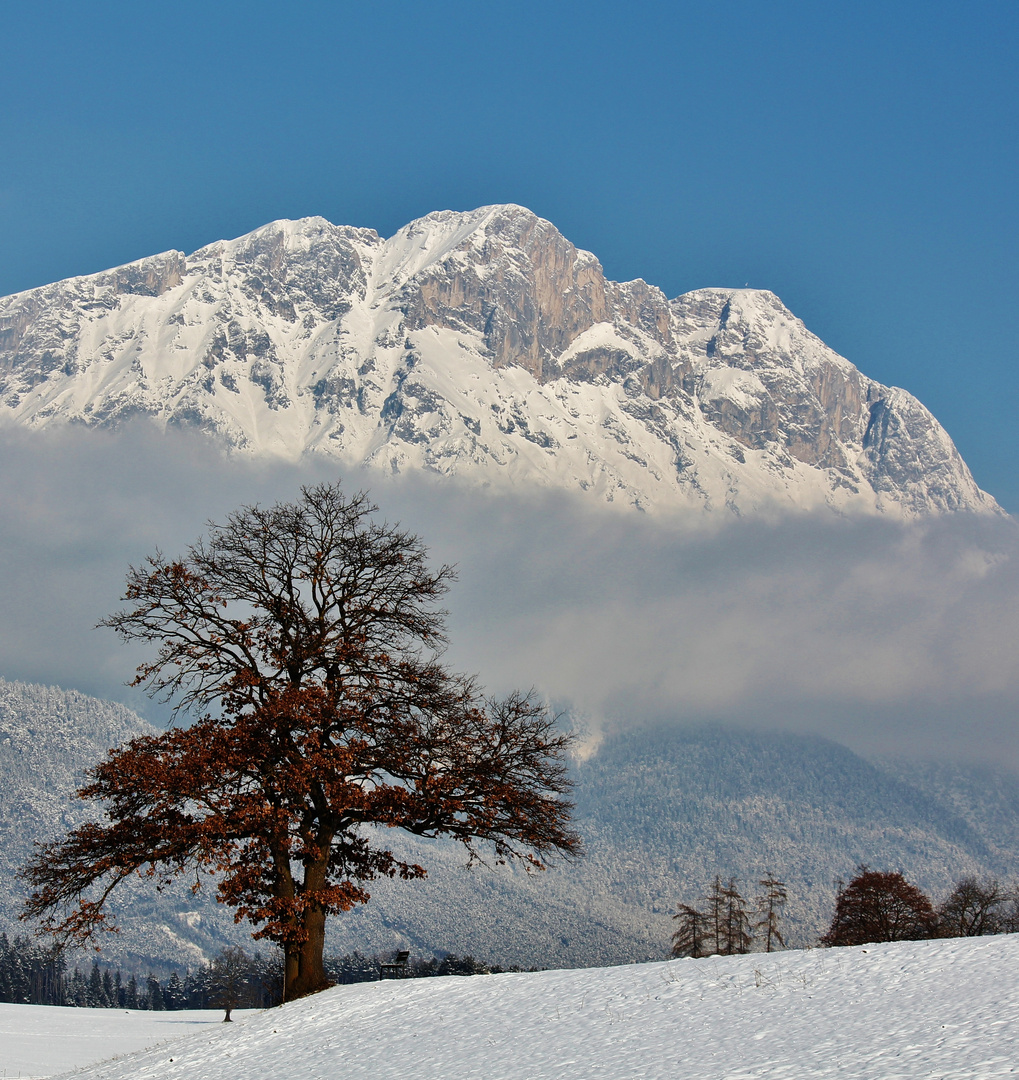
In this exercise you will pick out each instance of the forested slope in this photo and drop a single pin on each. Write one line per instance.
(48, 737)
(661, 811)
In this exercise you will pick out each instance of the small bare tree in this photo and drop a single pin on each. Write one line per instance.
(971, 909)
(737, 921)
(769, 912)
(230, 980)
(1008, 917)
(715, 915)
(691, 934)
(728, 924)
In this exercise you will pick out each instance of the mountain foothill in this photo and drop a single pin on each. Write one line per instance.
(661, 811)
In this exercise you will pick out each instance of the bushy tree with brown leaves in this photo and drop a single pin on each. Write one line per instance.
(879, 906)
(306, 638)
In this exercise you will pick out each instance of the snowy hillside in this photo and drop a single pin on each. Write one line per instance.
(911, 1009)
(48, 737)
(661, 812)
(42, 1040)
(482, 345)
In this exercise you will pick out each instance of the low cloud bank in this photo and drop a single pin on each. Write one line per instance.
(888, 637)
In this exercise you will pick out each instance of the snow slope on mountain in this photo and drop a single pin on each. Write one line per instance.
(48, 737)
(482, 345)
(663, 811)
(908, 1009)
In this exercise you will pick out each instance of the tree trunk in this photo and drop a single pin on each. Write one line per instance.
(305, 970)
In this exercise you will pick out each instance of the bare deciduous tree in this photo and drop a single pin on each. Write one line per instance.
(726, 918)
(230, 977)
(737, 921)
(972, 909)
(769, 912)
(691, 934)
(715, 901)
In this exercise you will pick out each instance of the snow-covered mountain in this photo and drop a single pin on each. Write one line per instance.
(482, 345)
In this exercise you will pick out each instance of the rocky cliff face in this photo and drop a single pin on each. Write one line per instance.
(483, 345)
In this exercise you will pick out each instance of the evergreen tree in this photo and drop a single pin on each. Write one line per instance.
(97, 998)
(419, 968)
(58, 970)
(6, 990)
(354, 968)
(173, 994)
(47, 975)
(20, 981)
(77, 990)
(452, 964)
(195, 990)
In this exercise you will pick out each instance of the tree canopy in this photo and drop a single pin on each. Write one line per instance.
(880, 906)
(306, 638)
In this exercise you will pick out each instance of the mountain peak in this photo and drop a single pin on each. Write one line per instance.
(433, 239)
(481, 344)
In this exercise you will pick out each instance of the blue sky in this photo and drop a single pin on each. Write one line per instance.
(859, 159)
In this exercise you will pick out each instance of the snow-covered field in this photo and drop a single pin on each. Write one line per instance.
(935, 1009)
(40, 1040)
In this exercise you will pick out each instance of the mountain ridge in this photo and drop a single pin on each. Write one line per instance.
(482, 345)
